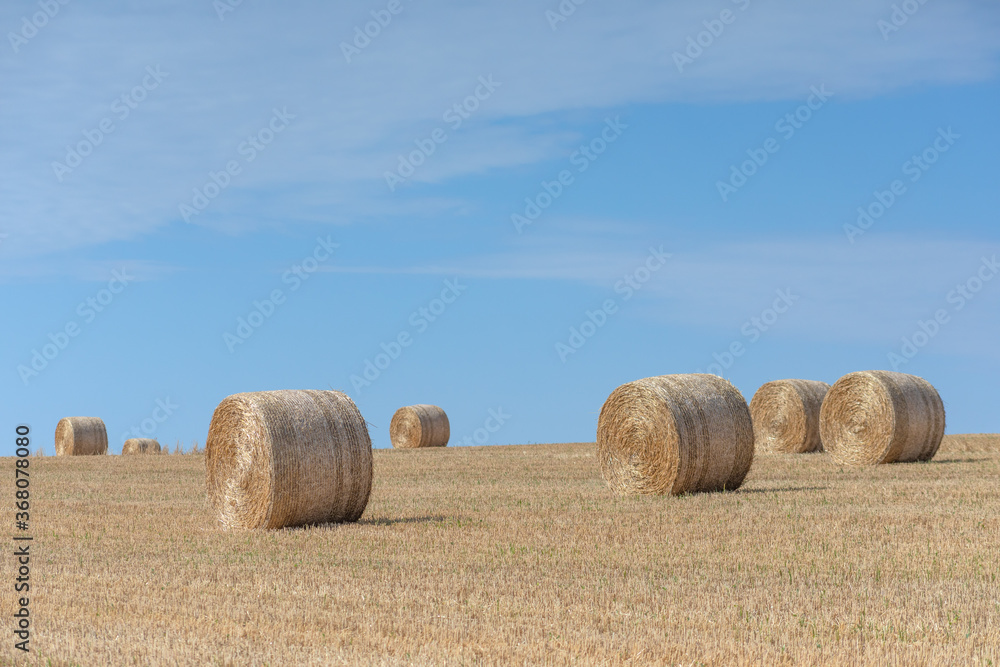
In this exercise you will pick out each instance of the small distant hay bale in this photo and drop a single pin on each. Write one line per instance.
(140, 446)
(81, 436)
(786, 416)
(417, 426)
(675, 434)
(278, 459)
(873, 417)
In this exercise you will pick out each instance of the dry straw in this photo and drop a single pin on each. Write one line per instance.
(418, 426)
(81, 436)
(140, 446)
(675, 434)
(786, 416)
(288, 458)
(881, 417)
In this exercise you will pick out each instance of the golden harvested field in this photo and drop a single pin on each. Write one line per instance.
(520, 555)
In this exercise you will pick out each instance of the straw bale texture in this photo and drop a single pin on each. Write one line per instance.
(288, 458)
(81, 436)
(675, 434)
(417, 426)
(786, 416)
(874, 417)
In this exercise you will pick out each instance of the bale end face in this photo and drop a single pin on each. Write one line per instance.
(278, 459)
(874, 417)
(675, 434)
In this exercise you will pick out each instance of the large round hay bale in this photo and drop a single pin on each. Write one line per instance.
(81, 436)
(140, 446)
(416, 426)
(675, 434)
(881, 417)
(288, 458)
(786, 416)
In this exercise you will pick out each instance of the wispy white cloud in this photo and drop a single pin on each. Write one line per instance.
(873, 291)
(138, 270)
(353, 120)
(591, 251)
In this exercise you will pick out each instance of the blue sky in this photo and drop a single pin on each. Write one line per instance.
(119, 120)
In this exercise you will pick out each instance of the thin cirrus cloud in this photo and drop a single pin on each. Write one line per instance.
(877, 291)
(871, 292)
(354, 119)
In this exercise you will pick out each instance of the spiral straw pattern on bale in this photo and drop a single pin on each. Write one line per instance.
(873, 417)
(140, 446)
(675, 434)
(81, 436)
(786, 416)
(277, 459)
(417, 426)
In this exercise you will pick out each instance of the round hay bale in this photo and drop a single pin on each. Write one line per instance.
(140, 446)
(416, 426)
(81, 436)
(675, 434)
(276, 459)
(786, 416)
(875, 417)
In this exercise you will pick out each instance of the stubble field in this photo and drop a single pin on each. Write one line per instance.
(520, 555)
